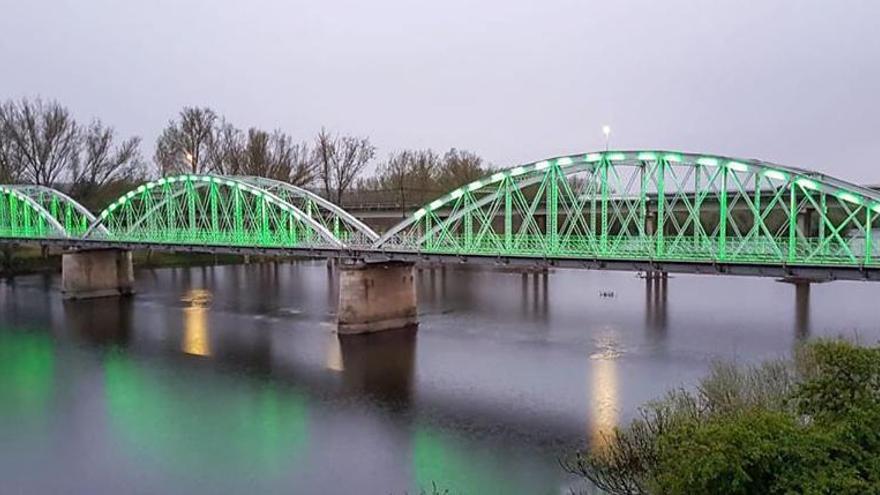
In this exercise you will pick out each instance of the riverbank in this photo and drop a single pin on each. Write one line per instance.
(28, 260)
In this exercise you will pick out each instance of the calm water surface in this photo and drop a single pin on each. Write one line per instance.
(230, 379)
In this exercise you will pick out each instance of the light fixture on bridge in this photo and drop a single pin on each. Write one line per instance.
(737, 166)
(606, 130)
(647, 155)
(708, 161)
(775, 174)
(672, 157)
(564, 161)
(614, 157)
(594, 157)
(807, 184)
(849, 197)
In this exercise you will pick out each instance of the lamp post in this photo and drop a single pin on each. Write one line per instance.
(606, 130)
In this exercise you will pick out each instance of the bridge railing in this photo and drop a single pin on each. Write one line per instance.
(812, 251)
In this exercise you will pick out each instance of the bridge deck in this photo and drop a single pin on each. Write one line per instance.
(794, 272)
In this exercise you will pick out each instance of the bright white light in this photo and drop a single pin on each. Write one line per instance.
(775, 174)
(606, 130)
(739, 167)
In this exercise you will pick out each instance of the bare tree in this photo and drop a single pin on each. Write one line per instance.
(10, 165)
(289, 161)
(40, 137)
(460, 167)
(227, 150)
(262, 154)
(186, 146)
(301, 164)
(411, 174)
(101, 161)
(340, 160)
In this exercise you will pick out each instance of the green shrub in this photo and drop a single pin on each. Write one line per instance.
(810, 425)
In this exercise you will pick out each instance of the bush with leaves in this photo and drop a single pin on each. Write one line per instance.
(809, 425)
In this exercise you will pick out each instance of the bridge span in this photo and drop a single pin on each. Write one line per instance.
(643, 210)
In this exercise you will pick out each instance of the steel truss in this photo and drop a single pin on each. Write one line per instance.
(37, 211)
(653, 206)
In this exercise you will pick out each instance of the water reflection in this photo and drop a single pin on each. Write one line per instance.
(656, 300)
(456, 466)
(195, 325)
(535, 295)
(101, 321)
(484, 399)
(333, 359)
(27, 376)
(603, 398)
(380, 365)
(192, 426)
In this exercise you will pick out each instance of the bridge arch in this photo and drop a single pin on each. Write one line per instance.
(651, 205)
(209, 210)
(40, 211)
(344, 226)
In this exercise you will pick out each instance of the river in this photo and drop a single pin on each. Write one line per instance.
(229, 379)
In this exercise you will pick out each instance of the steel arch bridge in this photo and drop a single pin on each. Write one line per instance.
(651, 205)
(646, 208)
(214, 210)
(35, 212)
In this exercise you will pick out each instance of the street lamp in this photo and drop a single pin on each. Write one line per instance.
(606, 130)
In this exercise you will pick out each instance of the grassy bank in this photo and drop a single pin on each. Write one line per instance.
(24, 260)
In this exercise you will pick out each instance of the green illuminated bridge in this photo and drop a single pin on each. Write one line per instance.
(635, 210)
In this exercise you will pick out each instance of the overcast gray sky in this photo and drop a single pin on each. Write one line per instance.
(794, 82)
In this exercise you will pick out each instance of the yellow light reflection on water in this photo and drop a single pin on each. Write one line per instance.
(603, 398)
(195, 323)
(333, 360)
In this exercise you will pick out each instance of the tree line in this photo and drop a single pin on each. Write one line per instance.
(42, 143)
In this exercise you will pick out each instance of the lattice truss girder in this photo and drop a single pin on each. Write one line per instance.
(651, 205)
(344, 226)
(28, 211)
(212, 210)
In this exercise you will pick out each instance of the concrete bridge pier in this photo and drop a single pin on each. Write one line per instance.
(374, 297)
(96, 273)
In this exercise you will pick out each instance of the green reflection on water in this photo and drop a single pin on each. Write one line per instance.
(27, 369)
(256, 430)
(452, 465)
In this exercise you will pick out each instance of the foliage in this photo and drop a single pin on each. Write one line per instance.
(414, 177)
(809, 425)
(340, 160)
(41, 143)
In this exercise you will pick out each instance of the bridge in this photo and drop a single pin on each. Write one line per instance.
(645, 210)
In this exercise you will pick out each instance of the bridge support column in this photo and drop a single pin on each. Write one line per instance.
(376, 296)
(97, 273)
